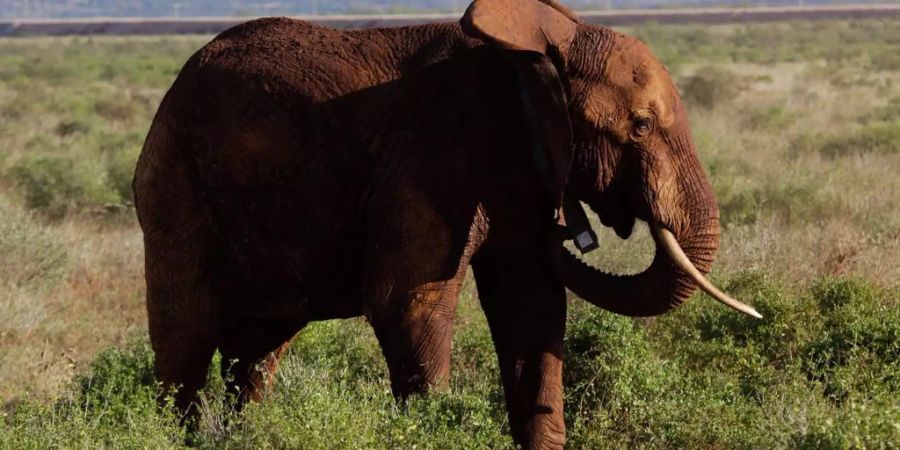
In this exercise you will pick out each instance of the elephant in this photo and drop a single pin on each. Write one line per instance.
(296, 173)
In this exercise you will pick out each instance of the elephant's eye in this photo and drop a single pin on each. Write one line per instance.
(642, 126)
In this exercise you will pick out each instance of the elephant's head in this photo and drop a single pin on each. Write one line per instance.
(613, 133)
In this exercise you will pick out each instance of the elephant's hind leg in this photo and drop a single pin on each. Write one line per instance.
(182, 315)
(251, 350)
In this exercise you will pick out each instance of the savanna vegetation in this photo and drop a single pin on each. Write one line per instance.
(798, 125)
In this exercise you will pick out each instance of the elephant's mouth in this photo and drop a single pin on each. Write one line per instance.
(624, 228)
(621, 223)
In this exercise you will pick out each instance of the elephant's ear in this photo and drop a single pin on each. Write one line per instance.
(528, 30)
(546, 112)
(535, 25)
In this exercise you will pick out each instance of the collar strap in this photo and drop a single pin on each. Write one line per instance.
(572, 216)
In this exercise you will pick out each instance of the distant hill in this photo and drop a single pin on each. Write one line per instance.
(231, 8)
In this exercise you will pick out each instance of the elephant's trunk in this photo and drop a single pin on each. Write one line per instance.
(677, 269)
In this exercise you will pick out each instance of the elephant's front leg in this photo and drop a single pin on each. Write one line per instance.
(415, 329)
(526, 311)
(416, 260)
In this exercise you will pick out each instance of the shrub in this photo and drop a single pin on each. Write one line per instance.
(771, 118)
(837, 294)
(333, 392)
(347, 347)
(120, 172)
(118, 377)
(56, 186)
(739, 208)
(880, 138)
(49, 184)
(610, 370)
(114, 405)
(886, 113)
(858, 425)
(711, 86)
(795, 201)
(766, 294)
(855, 355)
(622, 392)
(607, 357)
(67, 128)
(805, 143)
(316, 410)
(116, 108)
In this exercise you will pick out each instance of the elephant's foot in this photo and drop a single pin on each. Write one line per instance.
(542, 431)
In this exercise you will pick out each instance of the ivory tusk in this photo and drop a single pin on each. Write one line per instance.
(668, 241)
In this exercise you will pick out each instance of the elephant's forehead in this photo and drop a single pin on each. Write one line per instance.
(640, 80)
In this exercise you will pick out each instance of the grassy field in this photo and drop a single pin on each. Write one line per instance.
(797, 123)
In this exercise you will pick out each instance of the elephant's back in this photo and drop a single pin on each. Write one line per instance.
(321, 63)
(279, 93)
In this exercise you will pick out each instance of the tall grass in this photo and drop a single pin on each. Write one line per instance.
(797, 124)
(700, 378)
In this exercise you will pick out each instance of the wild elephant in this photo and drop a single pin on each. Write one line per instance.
(296, 173)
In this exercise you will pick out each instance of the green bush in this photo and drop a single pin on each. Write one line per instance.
(347, 347)
(839, 294)
(711, 86)
(609, 371)
(855, 356)
(879, 138)
(77, 116)
(333, 392)
(68, 128)
(739, 208)
(857, 426)
(774, 334)
(606, 356)
(57, 185)
(795, 201)
(314, 409)
(49, 184)
(772, 118)
(627, 390)
(113, 406)
(886, 113)
(702, 377)
(118, 378)
(120, 164)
